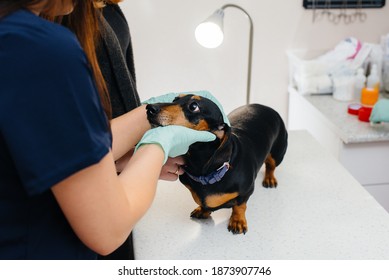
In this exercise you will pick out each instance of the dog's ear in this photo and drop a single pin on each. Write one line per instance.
(221, 131)
(178, 97)
(221, 126)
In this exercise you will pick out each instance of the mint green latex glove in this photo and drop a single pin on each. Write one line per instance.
(380, 111)
(174, 139)
(169, 97)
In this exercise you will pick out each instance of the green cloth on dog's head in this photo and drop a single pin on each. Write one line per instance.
(169, 97)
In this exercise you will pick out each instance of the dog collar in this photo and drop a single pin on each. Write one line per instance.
(213, 177)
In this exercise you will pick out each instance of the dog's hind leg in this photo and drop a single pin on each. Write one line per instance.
(238, 222)
(269, 181)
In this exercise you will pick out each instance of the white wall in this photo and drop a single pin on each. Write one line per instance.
(169, 59)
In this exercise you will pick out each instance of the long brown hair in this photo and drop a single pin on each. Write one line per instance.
(84, 22)
(102, 3)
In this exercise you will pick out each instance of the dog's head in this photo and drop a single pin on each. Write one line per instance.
(197, 113)
(189, 110)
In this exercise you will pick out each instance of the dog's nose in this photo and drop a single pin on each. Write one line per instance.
(152, 109)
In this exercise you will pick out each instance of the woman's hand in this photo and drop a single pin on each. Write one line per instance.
(174, 139)
(169, 172)
(172, 169)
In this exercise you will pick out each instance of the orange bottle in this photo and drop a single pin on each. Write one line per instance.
(369, 96)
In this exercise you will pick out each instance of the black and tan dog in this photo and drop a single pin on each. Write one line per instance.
(221, 174)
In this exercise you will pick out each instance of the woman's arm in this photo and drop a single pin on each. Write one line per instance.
(127, 130)
(102, 208)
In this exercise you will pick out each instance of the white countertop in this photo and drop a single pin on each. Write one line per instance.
(347, 126)
(318, 211)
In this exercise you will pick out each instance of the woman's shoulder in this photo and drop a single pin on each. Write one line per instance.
(43, 37)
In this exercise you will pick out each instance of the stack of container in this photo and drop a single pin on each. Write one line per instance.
(368, 93)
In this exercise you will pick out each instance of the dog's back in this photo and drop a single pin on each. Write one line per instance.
(262, 127)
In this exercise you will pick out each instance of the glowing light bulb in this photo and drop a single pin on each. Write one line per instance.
(209, 34)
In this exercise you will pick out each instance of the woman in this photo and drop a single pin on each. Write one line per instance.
(114, 53)
(116, 60)
(60, 196)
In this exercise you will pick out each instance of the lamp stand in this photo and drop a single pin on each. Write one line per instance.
(251, 34)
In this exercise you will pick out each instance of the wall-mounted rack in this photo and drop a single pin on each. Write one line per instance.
(342, 4)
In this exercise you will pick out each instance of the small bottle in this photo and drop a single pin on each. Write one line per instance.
(369, 96)
(359, 83)
(373, 81)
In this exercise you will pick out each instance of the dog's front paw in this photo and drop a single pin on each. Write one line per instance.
(238, 222)
(237, 225)
(269, 182)
(200, 213)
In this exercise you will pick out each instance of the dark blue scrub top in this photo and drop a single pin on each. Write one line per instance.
(51, 125)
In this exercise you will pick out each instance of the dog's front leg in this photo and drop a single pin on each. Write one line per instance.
(200, 213)
(238, 222)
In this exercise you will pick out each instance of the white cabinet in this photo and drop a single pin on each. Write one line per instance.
(362, 149)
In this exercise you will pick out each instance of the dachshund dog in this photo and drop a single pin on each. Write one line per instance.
(221, 173)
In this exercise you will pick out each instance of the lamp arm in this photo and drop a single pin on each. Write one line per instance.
(251, 35)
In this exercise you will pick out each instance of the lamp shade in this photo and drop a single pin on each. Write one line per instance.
(209, 33)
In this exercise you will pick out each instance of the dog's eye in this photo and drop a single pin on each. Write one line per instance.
(194, 107)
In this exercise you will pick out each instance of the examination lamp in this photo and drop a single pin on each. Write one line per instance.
(210, 34)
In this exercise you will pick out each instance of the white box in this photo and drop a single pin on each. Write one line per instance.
(303, 68)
